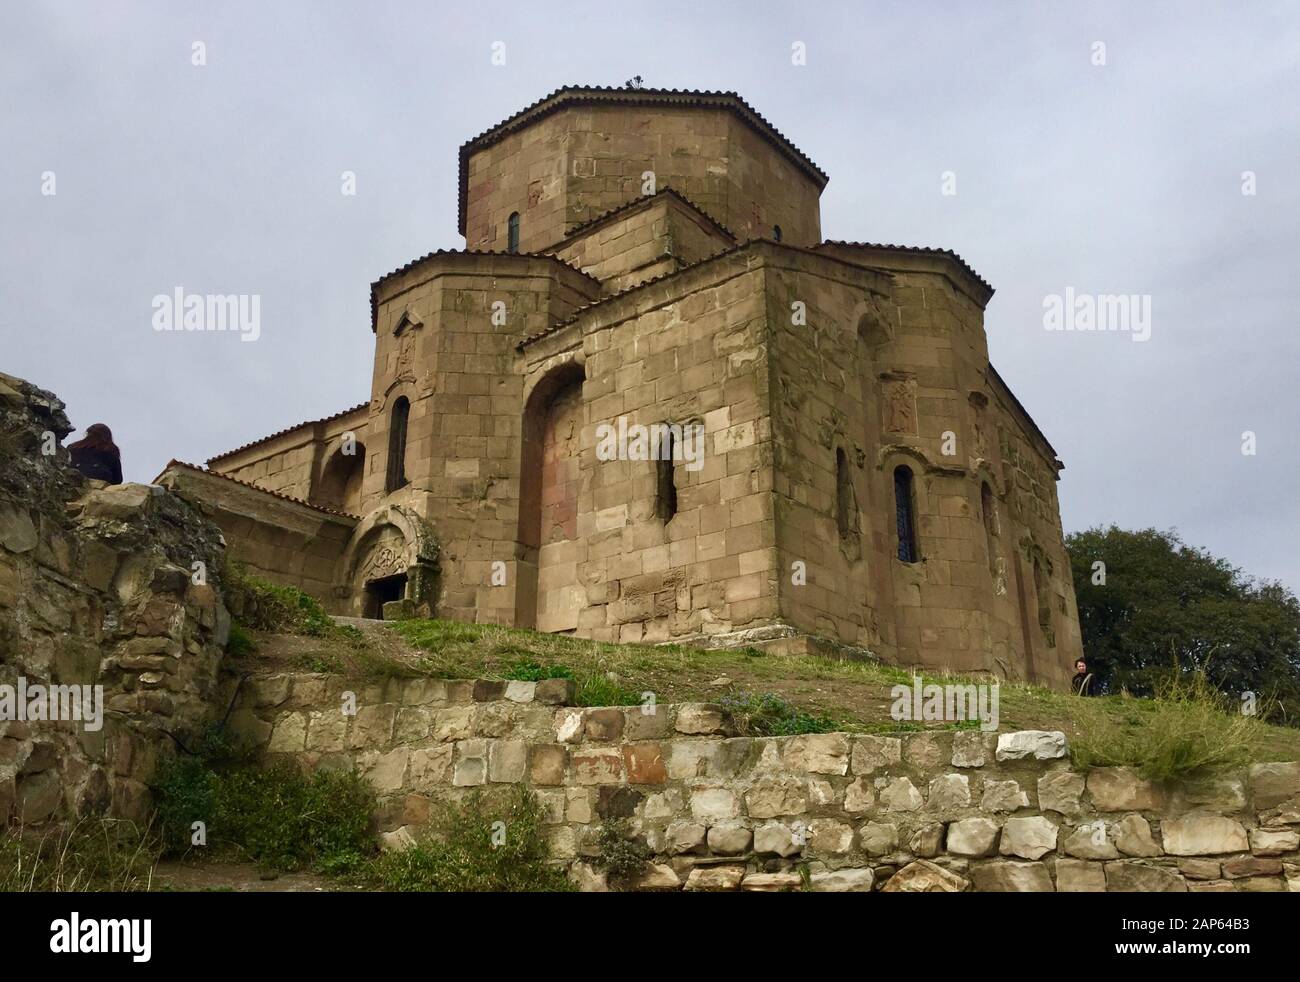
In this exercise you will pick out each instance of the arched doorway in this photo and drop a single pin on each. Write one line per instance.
(548, 594)
(393, 555)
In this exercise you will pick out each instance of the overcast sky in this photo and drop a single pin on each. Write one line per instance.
(1122, 178)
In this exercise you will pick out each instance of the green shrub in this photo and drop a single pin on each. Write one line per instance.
(474, 847)
(770, 715)
(185, 791)
(1189, 731)
(91, 855)
(622, 855)
(277, 817)
(239, 643)
(286, 821)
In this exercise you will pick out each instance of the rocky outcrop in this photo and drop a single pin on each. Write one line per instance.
(109, 589)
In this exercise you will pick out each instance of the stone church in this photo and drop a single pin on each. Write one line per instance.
(642, 257)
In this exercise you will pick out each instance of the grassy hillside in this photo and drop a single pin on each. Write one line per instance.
(1188, 731)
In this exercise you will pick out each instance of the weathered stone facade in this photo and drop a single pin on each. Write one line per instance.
(104, 586)
(938, 810)
(650, 257)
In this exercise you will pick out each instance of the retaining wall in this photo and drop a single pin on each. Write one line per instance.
(936, 810)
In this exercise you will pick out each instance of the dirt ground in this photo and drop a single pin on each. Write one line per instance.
(179, 875)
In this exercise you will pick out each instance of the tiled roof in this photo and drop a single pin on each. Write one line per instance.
(641, 200)
(288, 429)
(918, 250)
(374, 287)
(255, 487)
(585, 94)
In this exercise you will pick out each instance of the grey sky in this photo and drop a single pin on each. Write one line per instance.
(1124, 178)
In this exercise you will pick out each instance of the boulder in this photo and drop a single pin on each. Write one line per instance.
(972, 837)
(729, 840)
(1038, 744)
(1003, 796)
(817, 753)
(873, 753)
(1061, 791)
(843, 881)
(1078, 876)
(1116, 789)
(900, 795)
(1005, 876)
(1203, 835)
(1132, 876)
(715, 878)
(1274, 842)
(776, 837)
(1029, 838)
(923, 876)
(1133, 837)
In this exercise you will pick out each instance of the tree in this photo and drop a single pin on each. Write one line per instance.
(1159, 606)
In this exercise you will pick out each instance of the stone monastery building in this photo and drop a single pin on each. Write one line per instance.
(638, 257)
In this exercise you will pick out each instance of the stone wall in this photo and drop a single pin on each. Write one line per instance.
(930, 811)
(903, 379)
(688, 350)
(569, 163)
(306, 462)
(282, 540)
(97, 587)
(653, 236)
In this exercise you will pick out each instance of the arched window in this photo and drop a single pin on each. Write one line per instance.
(397, 445)
(665, 479)
(512, 233)
(846, 504)
(904, 515)
(776, 232)
(988, 511)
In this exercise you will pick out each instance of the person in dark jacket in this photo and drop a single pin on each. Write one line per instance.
(1083, 683)
(97, 456)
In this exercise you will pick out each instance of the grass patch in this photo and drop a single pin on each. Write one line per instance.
(527, 670)
(604, 689)
(327, 662)
(91, 855)
(1189, 731)
(770, 715)
(478, 845)
(266, 606)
